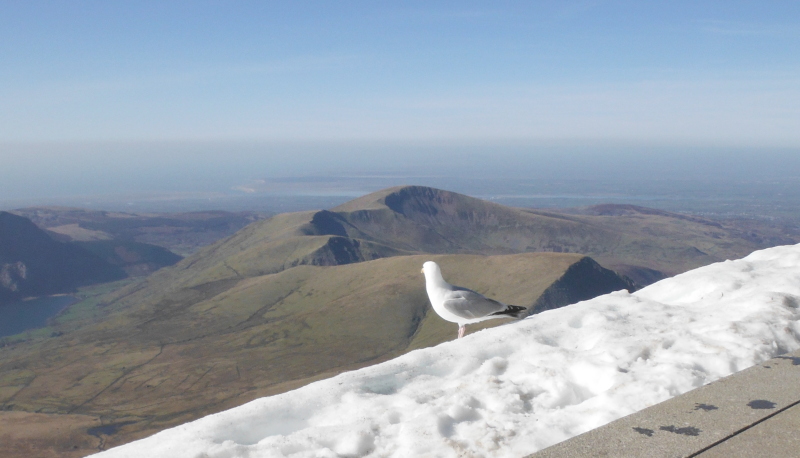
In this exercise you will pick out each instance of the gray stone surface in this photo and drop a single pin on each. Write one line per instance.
(744, 404)
(778, 436)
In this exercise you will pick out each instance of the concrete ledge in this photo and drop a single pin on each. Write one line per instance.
(755, 412)
(776, 437)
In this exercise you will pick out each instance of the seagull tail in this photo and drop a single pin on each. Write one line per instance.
(511, 310)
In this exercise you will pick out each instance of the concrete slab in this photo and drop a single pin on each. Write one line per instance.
(699, 420)
(778, 436)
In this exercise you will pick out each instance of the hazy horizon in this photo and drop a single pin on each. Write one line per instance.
(158, 105)
(290, 176)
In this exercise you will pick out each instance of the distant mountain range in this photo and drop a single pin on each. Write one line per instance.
(303, 296)
(181, 233)
(643, 244)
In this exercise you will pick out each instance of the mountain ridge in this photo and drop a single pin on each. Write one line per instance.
(427, 220)
(644, 244)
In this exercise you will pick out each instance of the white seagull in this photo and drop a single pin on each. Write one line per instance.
(462, 305)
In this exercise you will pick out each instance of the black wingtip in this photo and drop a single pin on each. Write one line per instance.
(511, 310)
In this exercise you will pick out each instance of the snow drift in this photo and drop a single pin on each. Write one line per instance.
(513, 390)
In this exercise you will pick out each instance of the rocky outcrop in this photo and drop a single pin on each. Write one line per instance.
(12, 274)
(582, 281)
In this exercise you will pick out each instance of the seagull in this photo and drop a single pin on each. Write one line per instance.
(462, 305)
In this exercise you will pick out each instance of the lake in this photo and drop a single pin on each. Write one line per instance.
(20, 316)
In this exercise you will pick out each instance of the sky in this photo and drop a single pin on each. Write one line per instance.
(152, 85)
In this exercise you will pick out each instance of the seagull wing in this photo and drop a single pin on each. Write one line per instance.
(468, 304)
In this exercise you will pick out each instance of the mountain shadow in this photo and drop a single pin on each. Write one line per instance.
(33, 264)
(584, 280)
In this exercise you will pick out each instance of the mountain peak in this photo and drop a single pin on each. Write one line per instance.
(372, 201)
(410, 199)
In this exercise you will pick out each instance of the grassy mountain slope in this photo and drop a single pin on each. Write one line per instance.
(157, 360)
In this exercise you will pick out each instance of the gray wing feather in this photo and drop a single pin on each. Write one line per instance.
(469, 304)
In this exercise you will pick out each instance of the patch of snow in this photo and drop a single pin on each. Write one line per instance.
(513, 390)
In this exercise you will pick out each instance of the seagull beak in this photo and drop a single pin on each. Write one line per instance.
(422, 271)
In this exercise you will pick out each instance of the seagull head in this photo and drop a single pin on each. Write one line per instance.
(430, 268)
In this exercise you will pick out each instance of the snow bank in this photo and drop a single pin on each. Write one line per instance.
(512, 390)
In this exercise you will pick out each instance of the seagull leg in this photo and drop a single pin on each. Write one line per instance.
(461, 330)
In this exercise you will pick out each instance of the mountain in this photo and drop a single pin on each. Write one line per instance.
(181, 233)
(413, 219)
(303, 296)
(33, 264)
(643, 244)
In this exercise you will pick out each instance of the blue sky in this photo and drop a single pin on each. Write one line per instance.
(695, 72)
(128, 84)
